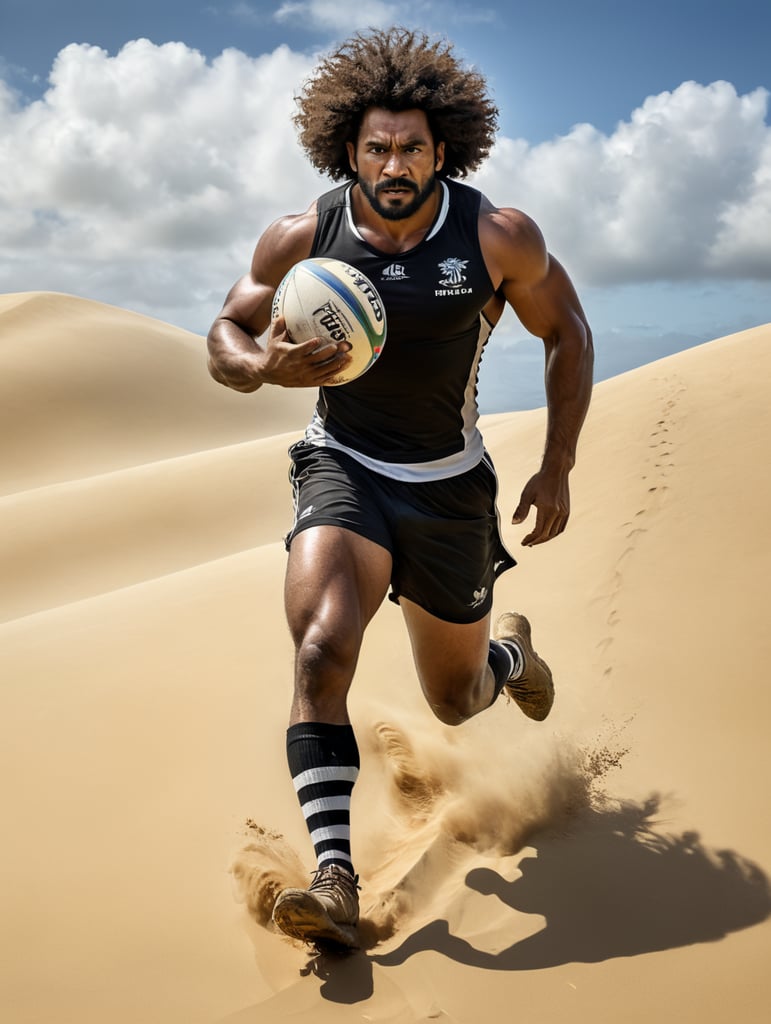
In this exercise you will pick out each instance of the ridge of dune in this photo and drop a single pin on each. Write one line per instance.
(125, 526)
(611, 863)
(86, 388)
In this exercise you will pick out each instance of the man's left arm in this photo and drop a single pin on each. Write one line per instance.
(543, 297)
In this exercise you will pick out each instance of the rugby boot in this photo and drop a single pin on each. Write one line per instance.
(326, 912)
(533, 688)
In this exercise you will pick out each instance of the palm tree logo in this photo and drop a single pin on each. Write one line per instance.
(452, 269)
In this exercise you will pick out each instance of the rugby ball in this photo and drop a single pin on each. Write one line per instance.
(329, 299)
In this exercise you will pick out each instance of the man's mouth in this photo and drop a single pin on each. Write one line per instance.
(396, 188)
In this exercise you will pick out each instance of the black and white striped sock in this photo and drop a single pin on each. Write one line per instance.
(324, 763)
(506, 661)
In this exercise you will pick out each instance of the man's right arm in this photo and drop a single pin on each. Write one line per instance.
(237, 358)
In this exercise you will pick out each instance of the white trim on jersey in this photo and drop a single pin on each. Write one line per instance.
(445, 209)
(441, 217)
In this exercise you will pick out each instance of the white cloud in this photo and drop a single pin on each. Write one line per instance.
(344, 16)
(145, 178)
(741, 247)
(151, 166)
(680, 191)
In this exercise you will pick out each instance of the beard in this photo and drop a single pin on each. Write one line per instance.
(397, 211)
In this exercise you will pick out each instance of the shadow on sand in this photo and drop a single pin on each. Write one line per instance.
(616, 887)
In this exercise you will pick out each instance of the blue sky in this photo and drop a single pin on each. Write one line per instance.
(637, 135)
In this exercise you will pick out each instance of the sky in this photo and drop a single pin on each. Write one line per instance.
(145, 147)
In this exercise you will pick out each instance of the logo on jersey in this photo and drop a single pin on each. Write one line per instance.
(453, 277)
(479, 597)
(395, 272)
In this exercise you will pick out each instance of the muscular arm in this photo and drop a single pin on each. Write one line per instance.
(543, 297)
(237, 358)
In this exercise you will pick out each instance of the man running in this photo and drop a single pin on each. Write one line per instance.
(393, 487)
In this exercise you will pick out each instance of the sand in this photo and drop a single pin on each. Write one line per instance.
(610, 864)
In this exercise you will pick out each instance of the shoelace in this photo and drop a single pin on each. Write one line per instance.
(327, 881)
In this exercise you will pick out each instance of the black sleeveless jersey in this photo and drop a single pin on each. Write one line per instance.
(413, 414)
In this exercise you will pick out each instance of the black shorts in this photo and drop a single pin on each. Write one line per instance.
(443, 535)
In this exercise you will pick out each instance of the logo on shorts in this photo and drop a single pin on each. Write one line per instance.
(479, 597)
(305, 513)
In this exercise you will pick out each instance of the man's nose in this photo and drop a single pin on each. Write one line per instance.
(394, 165)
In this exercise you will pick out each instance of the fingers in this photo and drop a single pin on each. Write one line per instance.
(328, 360)
(550, 519)
(549, 494)
(539, 534)
(546, 528)
(522, 511)
(321, 354)
(308, 363)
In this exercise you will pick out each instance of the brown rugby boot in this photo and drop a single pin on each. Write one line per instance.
(327, 911)
(533, 689)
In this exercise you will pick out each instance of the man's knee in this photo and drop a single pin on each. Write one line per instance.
(449, 713)
(458, 701)
(325, 657)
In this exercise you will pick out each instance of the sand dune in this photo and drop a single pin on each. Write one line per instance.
(88, 389)
(116, 529)
(610, 864)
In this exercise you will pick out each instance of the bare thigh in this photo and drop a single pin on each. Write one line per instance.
(335, 582)
(451, 662)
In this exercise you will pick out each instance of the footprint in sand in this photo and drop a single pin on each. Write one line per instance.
(662, 446)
